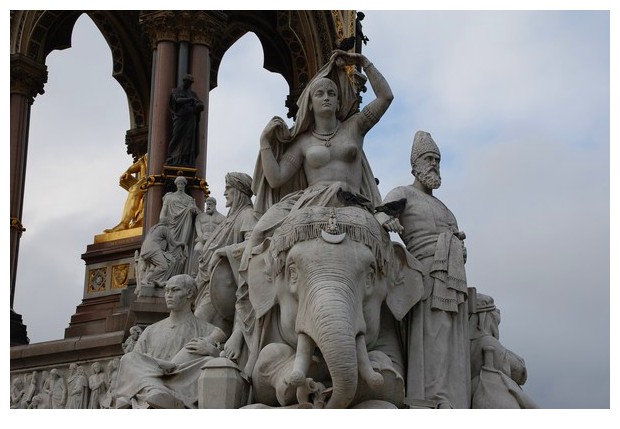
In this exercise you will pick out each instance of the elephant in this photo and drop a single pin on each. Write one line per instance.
(328, 288)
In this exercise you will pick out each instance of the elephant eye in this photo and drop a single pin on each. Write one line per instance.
(370, 275)
(292, 272)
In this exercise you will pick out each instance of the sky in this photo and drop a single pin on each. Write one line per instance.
(518, 102)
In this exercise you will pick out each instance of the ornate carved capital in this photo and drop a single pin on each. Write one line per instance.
(206, 26)
(159, 26)
(27, 76)
(198, 26)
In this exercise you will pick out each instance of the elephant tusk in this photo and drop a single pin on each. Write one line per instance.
(333, 238)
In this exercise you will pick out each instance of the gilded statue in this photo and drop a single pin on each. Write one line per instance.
(133, 180)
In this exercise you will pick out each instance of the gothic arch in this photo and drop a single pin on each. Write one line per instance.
(34, 34)
(295, 43)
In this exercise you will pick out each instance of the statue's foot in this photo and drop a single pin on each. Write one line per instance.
(123, 403)
(167, 366)
(161, 399)
(121, 226)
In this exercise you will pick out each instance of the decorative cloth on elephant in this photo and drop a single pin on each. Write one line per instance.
(304, 225)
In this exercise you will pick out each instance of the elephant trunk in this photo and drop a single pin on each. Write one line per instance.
(332, 310)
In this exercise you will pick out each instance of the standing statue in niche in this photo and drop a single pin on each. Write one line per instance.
(78, 387)
(219, 264)
(97, 386)
(205, 223)
(437, 335)
(46, 389)
(31, 390)
(180, 209)
(497, 373)
(163, 368)
(159, 256)
(58, 390)
(133, 180)
(360, 37)
(185, 107)
(108, 399)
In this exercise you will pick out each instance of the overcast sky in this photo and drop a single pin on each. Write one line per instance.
(518, 102)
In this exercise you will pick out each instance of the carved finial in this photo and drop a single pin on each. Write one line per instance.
(332, 228)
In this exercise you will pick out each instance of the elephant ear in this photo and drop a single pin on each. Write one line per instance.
(261, 284)
(406, 287)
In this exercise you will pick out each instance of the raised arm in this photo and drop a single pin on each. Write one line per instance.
(374, 110)
(277, 173)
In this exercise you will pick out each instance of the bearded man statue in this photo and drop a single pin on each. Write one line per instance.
(436, 329)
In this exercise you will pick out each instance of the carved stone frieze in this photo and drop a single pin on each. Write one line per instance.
(65, 386)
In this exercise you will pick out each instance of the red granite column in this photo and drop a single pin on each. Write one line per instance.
(27, 80)
(208, 26)
(163, 81)
(201, 65)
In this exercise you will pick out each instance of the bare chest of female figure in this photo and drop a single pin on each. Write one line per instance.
(336, 160)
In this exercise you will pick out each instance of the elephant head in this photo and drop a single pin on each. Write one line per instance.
(330, 270)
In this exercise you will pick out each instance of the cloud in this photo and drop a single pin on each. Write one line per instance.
(518, 103)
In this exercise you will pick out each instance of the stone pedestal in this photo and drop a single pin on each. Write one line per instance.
(109, 271)
(222, 385)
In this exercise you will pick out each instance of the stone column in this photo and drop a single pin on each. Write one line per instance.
(160, 27)
(178, 37)
(27, 80)
(207, 26)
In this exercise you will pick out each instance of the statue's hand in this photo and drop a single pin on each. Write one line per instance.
(460, 235)
(219, 253)
(343, 58)
(168, 367)
(267, 134)
(201, 346)
(232, 347)
(184, 249)
(393, 225)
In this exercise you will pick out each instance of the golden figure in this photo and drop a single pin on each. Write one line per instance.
(133, 180)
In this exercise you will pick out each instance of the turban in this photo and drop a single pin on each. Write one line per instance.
(240, 181)
(422, 143)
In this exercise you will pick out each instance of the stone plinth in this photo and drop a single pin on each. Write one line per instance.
(61, 352)
(109, 271)
(222, 385)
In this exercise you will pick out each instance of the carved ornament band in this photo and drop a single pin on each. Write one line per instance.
(200, 27)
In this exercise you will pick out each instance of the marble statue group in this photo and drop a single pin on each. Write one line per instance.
(298, 298)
